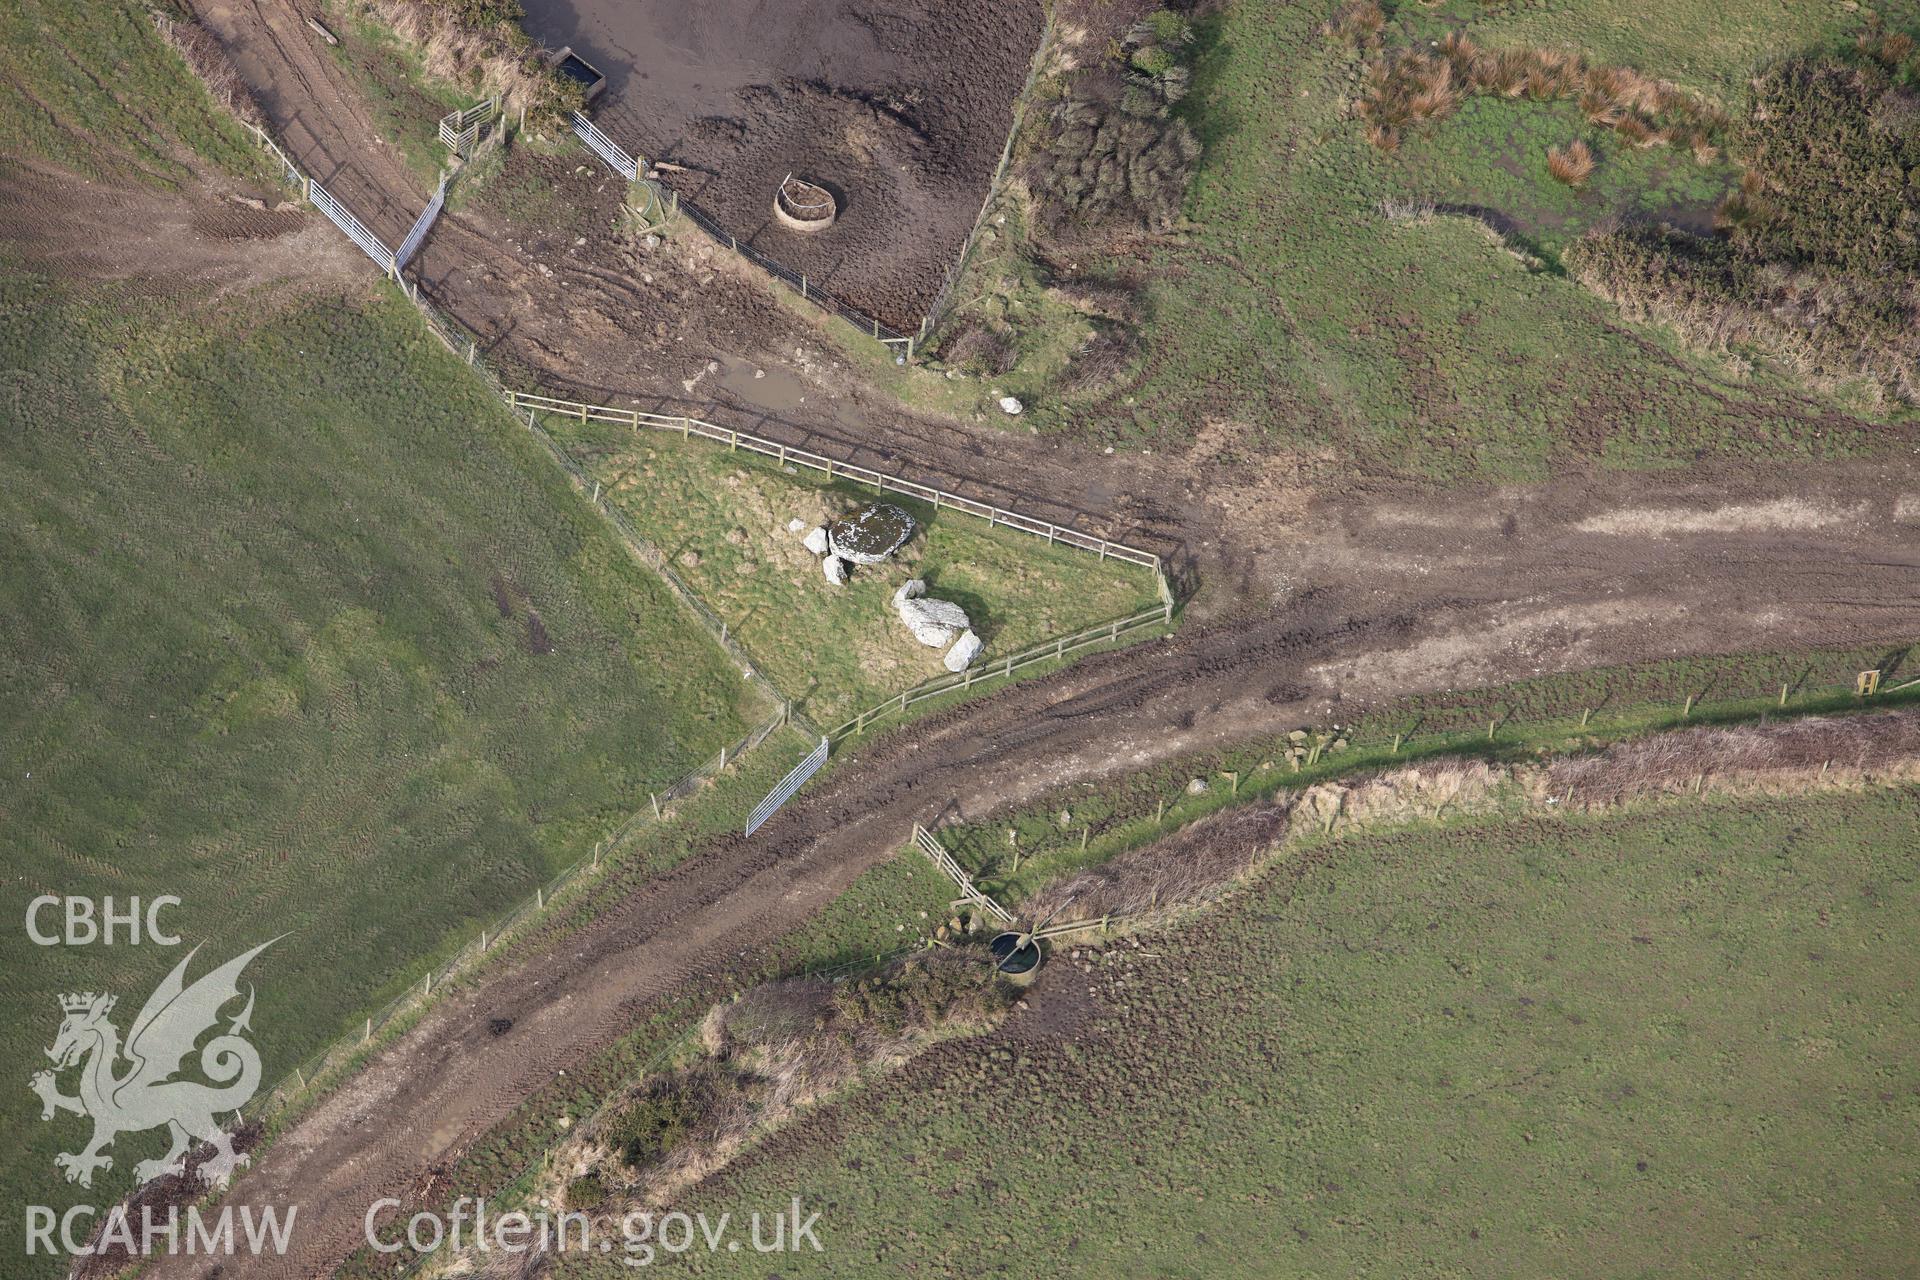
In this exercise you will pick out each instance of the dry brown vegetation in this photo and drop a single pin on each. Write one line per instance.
(1358, 23)
(209, 61)
(1407, 89)
(1572, 164)
(480, 48)
(1867, 746)
(773, 1051)
(1818, 265)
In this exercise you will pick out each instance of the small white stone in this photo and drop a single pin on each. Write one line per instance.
(1011, 405)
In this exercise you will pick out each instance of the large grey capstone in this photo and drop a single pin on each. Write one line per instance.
(871, 534)
(934, 623)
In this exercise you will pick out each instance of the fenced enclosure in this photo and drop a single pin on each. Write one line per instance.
(784, 790)
(461, 130)
(1059, 647)
(941, 499)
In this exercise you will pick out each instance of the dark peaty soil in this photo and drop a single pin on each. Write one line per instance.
(899, 109)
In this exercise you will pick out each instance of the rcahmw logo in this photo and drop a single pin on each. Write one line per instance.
(128, 1086)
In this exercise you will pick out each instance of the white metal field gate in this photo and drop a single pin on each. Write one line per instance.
(609, 150)
(344, 219)
(421, 225)
(788, 785)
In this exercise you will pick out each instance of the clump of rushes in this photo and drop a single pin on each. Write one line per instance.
(1572, 164)
(1358, 23)
(1408, 88)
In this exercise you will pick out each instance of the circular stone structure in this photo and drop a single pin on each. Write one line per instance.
(804, 206)
(871, 534)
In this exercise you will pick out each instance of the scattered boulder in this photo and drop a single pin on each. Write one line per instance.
(796, 524)
(835, 569)
(1197, 787)
(871, 534)
(1011, 406)
(934, 623)
(816, 541)
(964, 651)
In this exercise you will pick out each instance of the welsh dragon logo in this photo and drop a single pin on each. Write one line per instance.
(144, 1094)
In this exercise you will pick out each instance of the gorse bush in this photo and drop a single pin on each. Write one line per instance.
(649, 1127)
(1834, 153)
(1113, 169)
(1827, 324)
(1819, 266)
(1113, 157)
(585, 1192)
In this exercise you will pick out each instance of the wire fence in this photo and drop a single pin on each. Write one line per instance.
(1147, 810)
(944, 296)
(1046, 651)
(1065, 535)
(310, 1078)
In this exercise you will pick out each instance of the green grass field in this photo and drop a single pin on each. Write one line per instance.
(299, 625)
(1673, 1041)
(89, 86)
(1289, 311)
(721, 517)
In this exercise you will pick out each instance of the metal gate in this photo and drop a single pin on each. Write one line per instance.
(788, 785)
(610, 151)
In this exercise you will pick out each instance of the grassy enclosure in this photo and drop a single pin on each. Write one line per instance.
(721, 517)
(1662, 1040)
(299, 625)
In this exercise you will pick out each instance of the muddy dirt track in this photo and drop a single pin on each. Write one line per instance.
(900, 109)
(1314, 606)
(1594, 583)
